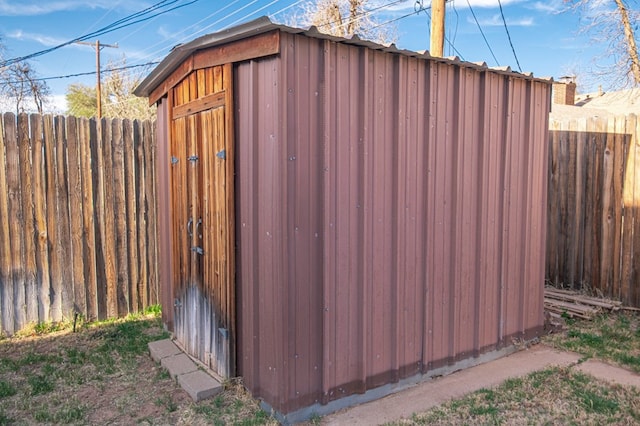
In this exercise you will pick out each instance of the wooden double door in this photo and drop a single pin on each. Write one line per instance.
(202, 218)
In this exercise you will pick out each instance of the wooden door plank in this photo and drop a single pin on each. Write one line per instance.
(193, 107)
(230, 242)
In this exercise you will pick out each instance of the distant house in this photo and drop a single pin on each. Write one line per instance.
(568, 104)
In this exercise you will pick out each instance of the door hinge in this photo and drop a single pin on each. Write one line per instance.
(174, 160)
(222, 154)
(198, 250)
(193, 158)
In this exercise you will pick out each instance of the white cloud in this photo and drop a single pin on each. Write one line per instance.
(40, 38)
(496, 20)
(555, 6)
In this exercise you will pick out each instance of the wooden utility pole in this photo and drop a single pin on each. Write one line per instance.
(98, 47)
(437, 28)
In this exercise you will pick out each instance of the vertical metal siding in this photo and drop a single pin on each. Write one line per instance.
(391, 217)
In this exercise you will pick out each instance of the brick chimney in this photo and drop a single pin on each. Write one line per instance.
(564, 91)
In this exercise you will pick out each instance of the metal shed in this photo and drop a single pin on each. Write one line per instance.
(341, 218)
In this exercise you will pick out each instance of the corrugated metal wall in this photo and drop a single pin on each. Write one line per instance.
(391, 217)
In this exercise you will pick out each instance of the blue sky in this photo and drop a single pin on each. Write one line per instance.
(546, 40)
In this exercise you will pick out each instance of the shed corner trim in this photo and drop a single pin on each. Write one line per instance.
(252, 47)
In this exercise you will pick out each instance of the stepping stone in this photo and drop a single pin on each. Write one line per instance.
(199, 385)
(178, 364)
(163, 348)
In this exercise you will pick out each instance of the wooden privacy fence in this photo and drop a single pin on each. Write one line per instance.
(593, 232)
(77, 218)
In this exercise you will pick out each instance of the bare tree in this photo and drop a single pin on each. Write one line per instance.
(20, 86)
(612, 22)
(117, 93)
(344, 18)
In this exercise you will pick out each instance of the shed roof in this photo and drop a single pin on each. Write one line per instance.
(263, 25)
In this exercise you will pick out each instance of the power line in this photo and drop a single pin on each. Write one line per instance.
(81, 74)
(482, 32)
(509, 35)
(119, 24)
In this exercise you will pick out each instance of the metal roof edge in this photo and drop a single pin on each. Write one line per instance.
(263, 24)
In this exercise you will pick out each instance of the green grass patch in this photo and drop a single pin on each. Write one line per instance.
(40, 384)
(7, 389)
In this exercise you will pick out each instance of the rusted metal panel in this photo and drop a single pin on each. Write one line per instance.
(390, 217)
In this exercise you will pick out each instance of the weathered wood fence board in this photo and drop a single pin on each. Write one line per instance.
(593, 233)
(77, 218)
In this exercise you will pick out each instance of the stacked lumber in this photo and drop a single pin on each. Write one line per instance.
(575, 304)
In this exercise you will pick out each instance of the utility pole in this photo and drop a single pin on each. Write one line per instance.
(98, 47)
(437, 28)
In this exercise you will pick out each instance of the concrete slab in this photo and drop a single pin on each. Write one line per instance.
(434, 392)
(199, 385)
(163, 348)
(178, 364)
(610, 373)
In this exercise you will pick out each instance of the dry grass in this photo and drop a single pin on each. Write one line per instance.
(103, 375)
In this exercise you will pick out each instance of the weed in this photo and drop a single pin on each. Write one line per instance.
(40, 384)
(162, 374)
(70, 413)
(6, 389)
(596, 403)
(168, 403)
(75, 356)
(315, 419)
(33, 358)
(589, 340)
(43, 415)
